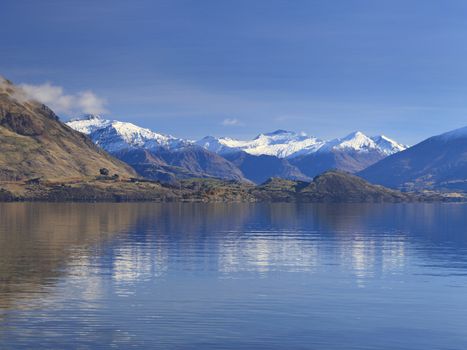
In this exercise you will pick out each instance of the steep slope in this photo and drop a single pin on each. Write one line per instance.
(352, 153)
(148, 165)
(34, 143)
(170, 166)
(439, 162)
(201, 163)
(154, 155)
(262, 167)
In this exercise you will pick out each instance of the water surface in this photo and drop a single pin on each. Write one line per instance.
(233, 276)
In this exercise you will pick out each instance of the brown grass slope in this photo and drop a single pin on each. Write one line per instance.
(34, 143)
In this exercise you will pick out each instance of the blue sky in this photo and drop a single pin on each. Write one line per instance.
(237, 68)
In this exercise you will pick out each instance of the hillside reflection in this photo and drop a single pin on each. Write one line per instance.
(39, 243)
(45, 245)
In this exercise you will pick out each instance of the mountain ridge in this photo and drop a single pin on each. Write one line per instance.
(298, 156)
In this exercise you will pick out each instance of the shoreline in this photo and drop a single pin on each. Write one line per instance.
(332, 190)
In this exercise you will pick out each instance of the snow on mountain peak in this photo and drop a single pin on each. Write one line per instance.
(359, 142)
(280, 143)
(387, 145)
(356, 141)
(114, 135)
(88, 123)
(288, 144)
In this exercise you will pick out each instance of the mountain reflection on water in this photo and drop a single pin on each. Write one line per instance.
(232, 276)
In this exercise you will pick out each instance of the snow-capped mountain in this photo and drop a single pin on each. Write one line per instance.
(359, 142)
(114, 136)
(280, 143)
(88, 123)
(352, 153)
(287, 144)
(387, 145)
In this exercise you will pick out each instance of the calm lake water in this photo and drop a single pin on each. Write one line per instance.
(236, 276)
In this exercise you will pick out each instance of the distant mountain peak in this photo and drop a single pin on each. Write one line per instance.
(356, 141)
(114, 135)
(359, 142)
(355, 134)
(387, 145)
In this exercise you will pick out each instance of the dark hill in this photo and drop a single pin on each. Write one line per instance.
(335, 186)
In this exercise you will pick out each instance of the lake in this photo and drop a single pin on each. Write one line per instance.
(233, 276)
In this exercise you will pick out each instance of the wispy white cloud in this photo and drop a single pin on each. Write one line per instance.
(232, 122)
(54, 96)
(89, 102)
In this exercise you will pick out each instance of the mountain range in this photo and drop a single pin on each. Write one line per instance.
(42, 158)
(282, 153)
(288, 144)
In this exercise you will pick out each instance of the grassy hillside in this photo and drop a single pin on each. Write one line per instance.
(34, 143)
